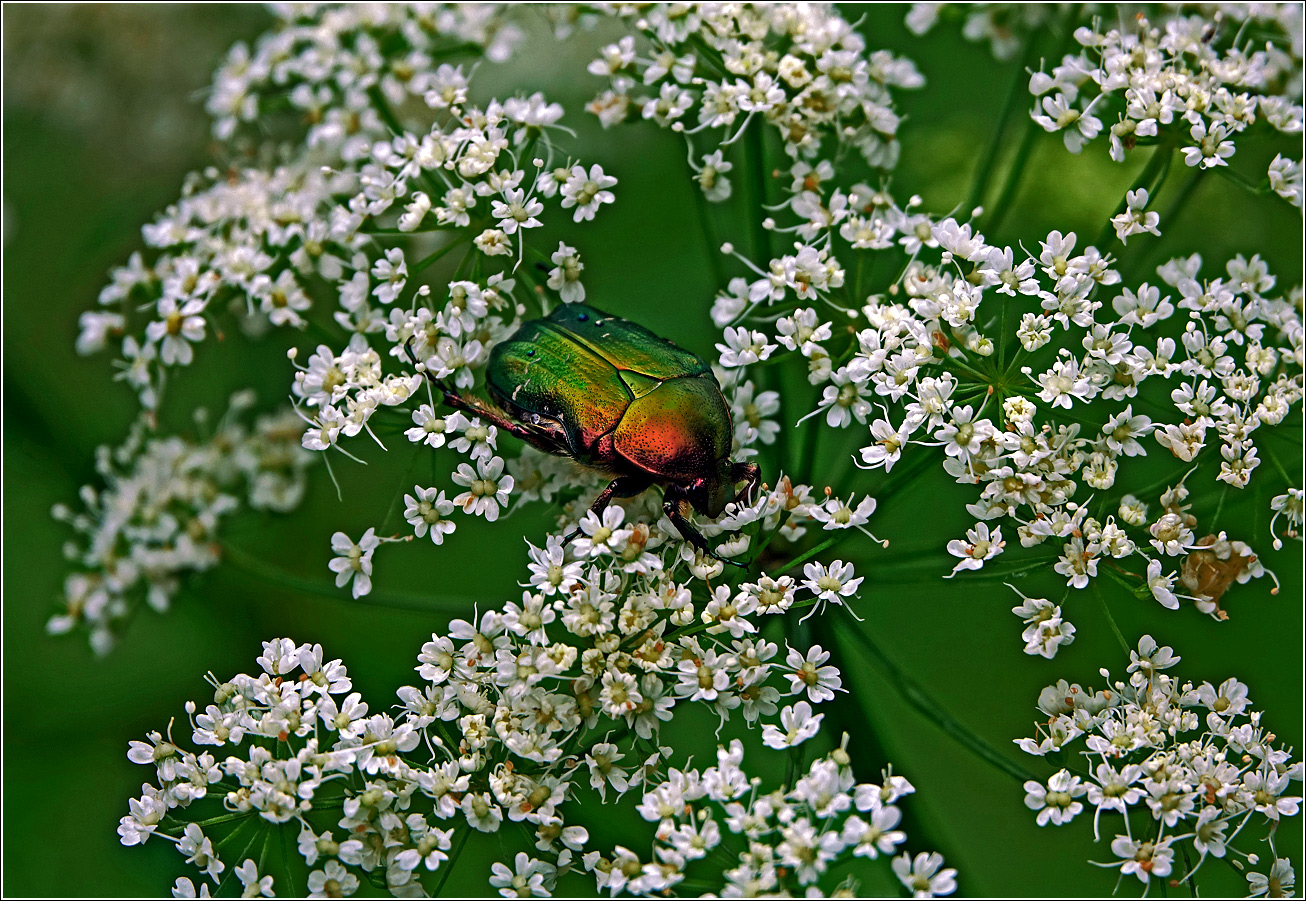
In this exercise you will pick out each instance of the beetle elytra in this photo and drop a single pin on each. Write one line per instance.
(615, 397)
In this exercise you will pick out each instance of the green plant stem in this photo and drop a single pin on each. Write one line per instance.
(211, 821)
(814, 552)
(1002, 334)
(286, 859)
(1152, 178)
(709, 240)
(240, 858)
(437, 254)
(447, 866)
(1278, 465)
(966, 368)
(1111, 620)
(1002, 205)
(791, 767)
(850, 713)
(1219, 507)
(383, 110)
(1020, 160)
(912, 571)
(757, 552)
(400, 233)
(1242, 181)
(917, 697)
(984, 169)
(246, 563)
(755, 148)
(1188, 865)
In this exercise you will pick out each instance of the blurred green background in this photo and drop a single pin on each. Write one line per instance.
(103, 117)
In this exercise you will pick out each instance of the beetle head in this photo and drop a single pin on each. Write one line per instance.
(710, 494)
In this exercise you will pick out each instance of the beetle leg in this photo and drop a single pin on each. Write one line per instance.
(672, 507)
(622, 486)
(546, 435)
(746, 472)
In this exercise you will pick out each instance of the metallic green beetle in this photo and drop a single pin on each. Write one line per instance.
(617, 398)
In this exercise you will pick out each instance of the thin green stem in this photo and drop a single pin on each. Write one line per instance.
(1002, 333)
(709, 239)
(1020, 160)
(383, 110)
(1188, 866)
(757, 553)
(1219, 507)
(984, 169)
(791, 767)
(1242, 181)
(967, 368)
(1002, 205)
(432, 257)
(917, 697)
(1111, 620)
(814, 552)
(240, 858)
(246, 563)
(911, 571)
(1151, 178)
(755, 147)
(172, 826)
(1277, 464)
(392, 513)
(1168, 219)
(401, 233)
(447, 866)
(286, 860)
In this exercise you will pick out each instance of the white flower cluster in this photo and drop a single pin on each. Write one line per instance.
(252, 242)
(509, 728)
(937, 349)
(157, 515)
(322, 61)
(1193, 762)
(715, 68)
(1192, 82)
(265, 243)
(1186, 79)
(242, 243)
(466, 158)
(793, 837)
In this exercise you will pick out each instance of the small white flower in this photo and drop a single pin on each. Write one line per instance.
(427, 511)
(565, 277)
(980, 545)
(922, 875)
(587, 192)
(487, 488)
(1055, 802)
(799, 725)
(354, 561)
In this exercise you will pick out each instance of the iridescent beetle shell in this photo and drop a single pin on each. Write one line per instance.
(616, 397)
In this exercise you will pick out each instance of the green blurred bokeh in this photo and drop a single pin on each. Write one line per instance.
(101, 122)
